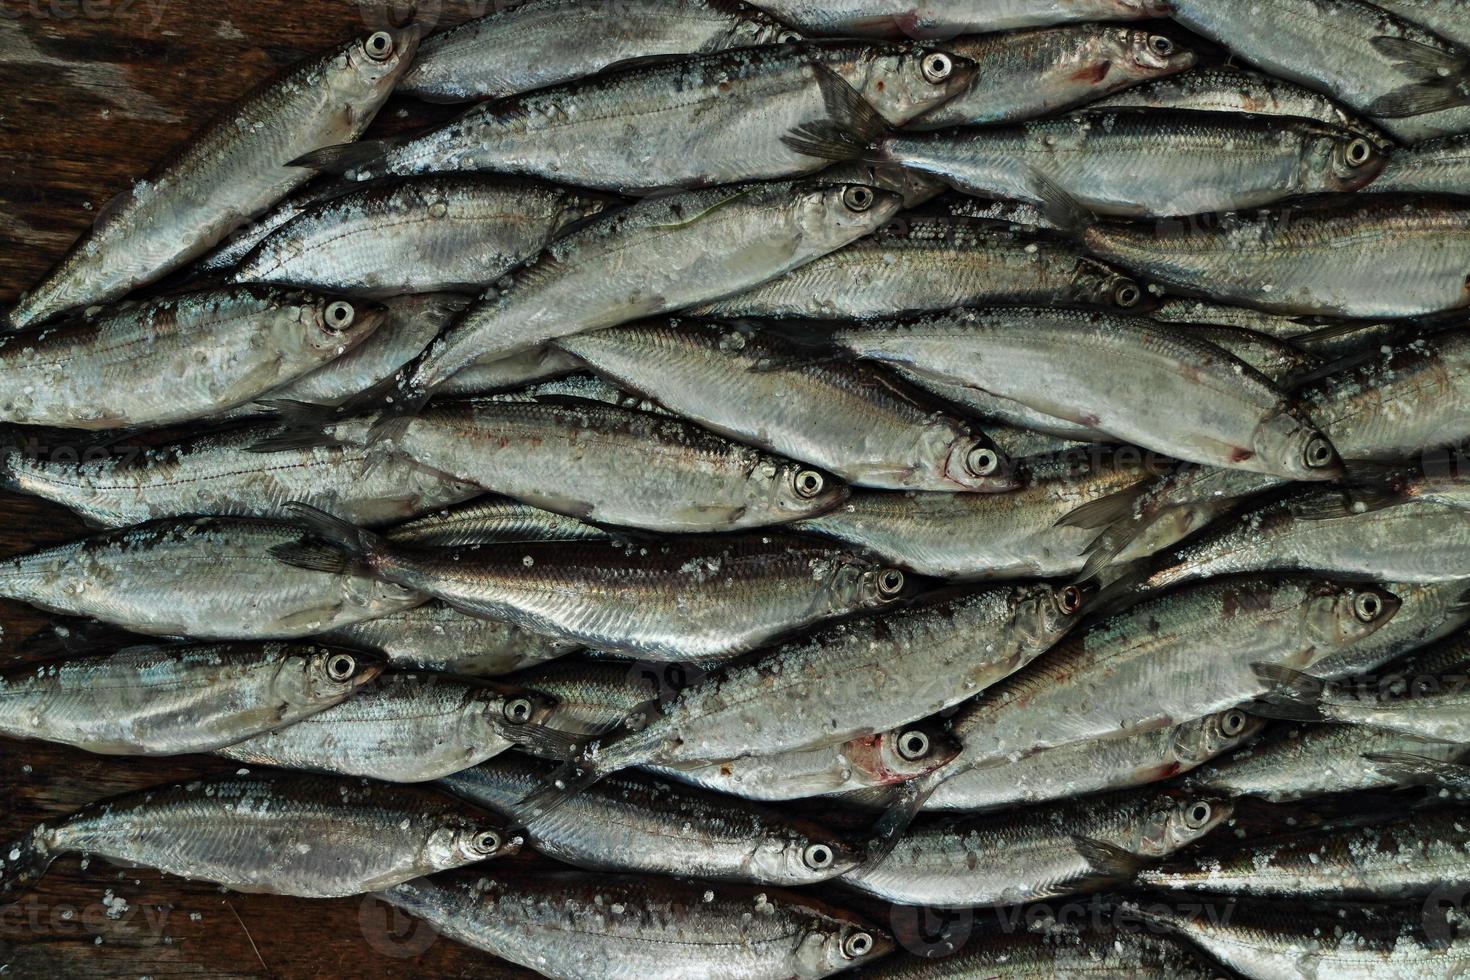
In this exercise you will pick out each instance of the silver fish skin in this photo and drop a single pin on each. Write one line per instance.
(559, 924)
(921, 263)
(235, 168)
(1037, 853)
(633, 823)
(1144, 162)
(492, 520)
(594, 694)
(869, 763)
(170, 700)
(1184, 309)
(222, 475)
(1280, 361)
(645, 470)
(407, 728)
(1444, 17)
(547, 42)
(175, 359)
(997, 410)
(848, 418)
(1439, 166)
(676, 600)
(531, 367)
(1300, 762)
(1428, 611)
(1041, 954)
(653, 257)
(1101, 766)
(1019, 443)
(706, 119)
(243, 240)
(274, 833)
(1407, 541)
(434, 636)
(436, 233)
(581, 386)
(1407, 256)
(212, 578)
(1408, 858)
(983, 536)
(947, 18)
(1026, 74)
(1290, 940)
(1185, 397)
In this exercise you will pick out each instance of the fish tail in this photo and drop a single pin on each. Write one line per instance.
(353, 159)
(849, 129)
(1291, 695)
(26, 861)
(298, 425)
(908, 800)
(396, 416)
(565, 782)
(1438, 79)
(343, 537)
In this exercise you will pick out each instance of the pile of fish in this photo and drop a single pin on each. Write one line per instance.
(800, 473)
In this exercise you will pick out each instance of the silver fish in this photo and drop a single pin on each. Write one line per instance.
(1167, 390)
(1439, 166)
(243, 240)
(491, 520)
(169, 700)
(221, 474)
(441, 232)
(574, 924)
(408, 728)
(849, 419)
(546, 42)
(1039, 72)
(1181, 309)
(434, 636)
(593, 695)
(1428, 611)
(237, 167)
(272, 832)
(1037, 853)
(209, 578)
(693, 600)
(705, 119)
(1145, 162)
(175, 359)
(927, 264)
(637, 824)
(946, 18)
(1444, 17)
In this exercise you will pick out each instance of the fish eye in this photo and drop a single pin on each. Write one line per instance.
(1160, 45)
(858, 944)
(1367, 607)
(1319, 452)
(858, 198)
(913, 745)
(1069, 600)
(787, 37)
(339, 315)
(890, 582)
(486, 842)
(1233, 723)
(818, 857)
(982, 461)
(517, 710)
(1127, 294)
(937, 66)
(341, 666)
(809, 483)
(1198, 815)
(379, 46)
(1358, 152)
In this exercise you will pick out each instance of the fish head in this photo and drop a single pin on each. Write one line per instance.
(1337, 161)
(333, 325)
(973, 463)
(369, 66)
(800, 859)
(330, 674)
(830, 216)
(506, 710)
(1097, 284)
(914, 186)
(459, 840)
(1200, 741)
(901, 754)
(1044, 614)
(796, 489)
(881, 586)
(1341, 614)
(1173, 820)
(1295, 448)
(1144, 54)
(831, 944)
(904, 81)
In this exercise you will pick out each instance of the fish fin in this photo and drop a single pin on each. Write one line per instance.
(908, 799)
(1413, 768)
(311, 556)
(299, 425)
(1069, 215)
(544, 740)
(851, 126)
(345, 158)
(1417, 60)
(1107, 546)
(345, 536)
(1291, 695)
(26, 861)
(1104, 511)
(561, 785)
(395, 418)
(1118, 589)
(1109, 863)
(1419, 99)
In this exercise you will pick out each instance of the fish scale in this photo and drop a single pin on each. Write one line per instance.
(946, 18)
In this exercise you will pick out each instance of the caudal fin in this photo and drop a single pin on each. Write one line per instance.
(25, 862)
(850, 127)
(342, 544)
(1439, 79)
(907, 802)
(361, 160)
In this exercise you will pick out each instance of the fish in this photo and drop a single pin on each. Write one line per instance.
(1443, 17)
(1144, 163)
(869, 763)
(434, 233)
(724, 117)
(1358, 53)
(653, 257)
(1048, 70)
(948, 18)
(594, 694)
(922, 263)
(220, 474)
(697, 601)
(434, 636)
(272, 833)
(408, 728)
(1168, 390)
(1103, 765)
(847, 418)
(1405, 858)
(1036, 853)
(242, 241)
(647, 470)
(559, 922)
(988, 536)
(547, 42)
(1356, 256)
(210, 578)
(1428, 611)
(632, 823)
(171, 700)
(491, 519)
(1440, 166)
(236, 167)
(123, 368)
(1326, 339)
(1298, 939)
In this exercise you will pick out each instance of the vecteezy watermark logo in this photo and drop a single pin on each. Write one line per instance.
(390, 931)
(113, 916)
(1444, 915)
(152, 10)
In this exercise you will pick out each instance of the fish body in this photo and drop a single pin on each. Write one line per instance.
(489, 519)
(434, 636)
(1043, 953)
(1439, 166)
(947, 18)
